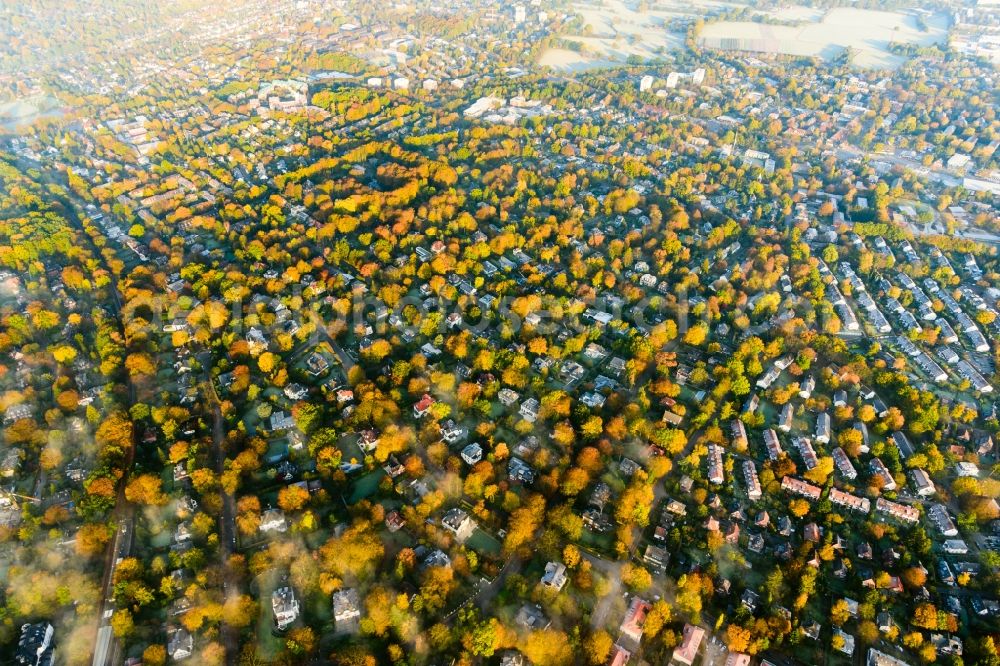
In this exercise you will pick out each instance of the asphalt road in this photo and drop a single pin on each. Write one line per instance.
(123, 513)
(227, 521)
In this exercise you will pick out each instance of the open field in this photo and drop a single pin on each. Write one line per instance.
(565, 60)
(21, 112)
(867, 32)
(613, 31)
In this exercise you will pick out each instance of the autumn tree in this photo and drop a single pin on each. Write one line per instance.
(292, 498)
(821, 472)
(154, 655)
(738, 639)
(548, 647)
(91, 539)
(122, 624)
(524, 522)
(146, 489)
(597, 647)
(635, 577)
(840, 612)
(355, 552)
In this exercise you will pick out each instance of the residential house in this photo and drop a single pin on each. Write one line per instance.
(10, 464)
(752, 480)
(715, 466)
(876, 658)
(922, 484)
(635, 619)
(619, 656)
(806, 451)
(941, 519)
(451, 432)
(280, 421)
(656, 557)
(902, 444)
(737, 659)
(180, 644)
(739, 432)
(955, 547)
(823, 428)
(368, 440)
(555, 576)
(799, 487)
(901, 512)
(472, 453)
(843, 464)
(885, 622)
(529, 410)
(423, 406)
(436, 558)
(35, 646)
(772, 444)
(530, 616)
(285, 607)
(847, 500)
(459, 523)
(394, 521)
(966, 469)
(519, 471)
(273, 520)
(346, 610)
(600, 496)
(768, 378)
(507, 397)
(879, 469)
(812, 532)
(846, 641)
(687, 651)
(982, 442)
(17, 413)
(785, 420)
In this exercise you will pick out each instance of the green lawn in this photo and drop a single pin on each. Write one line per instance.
(483, 543)
(367, 485)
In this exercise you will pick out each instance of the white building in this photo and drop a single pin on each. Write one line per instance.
(751, 479)
(284, 95)
(180, 645)
(483, 105)
(472, 453)
(459, 523)
(922, 483)
(555, 576)
(273, 520)
(346, 609)
(285, 607)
